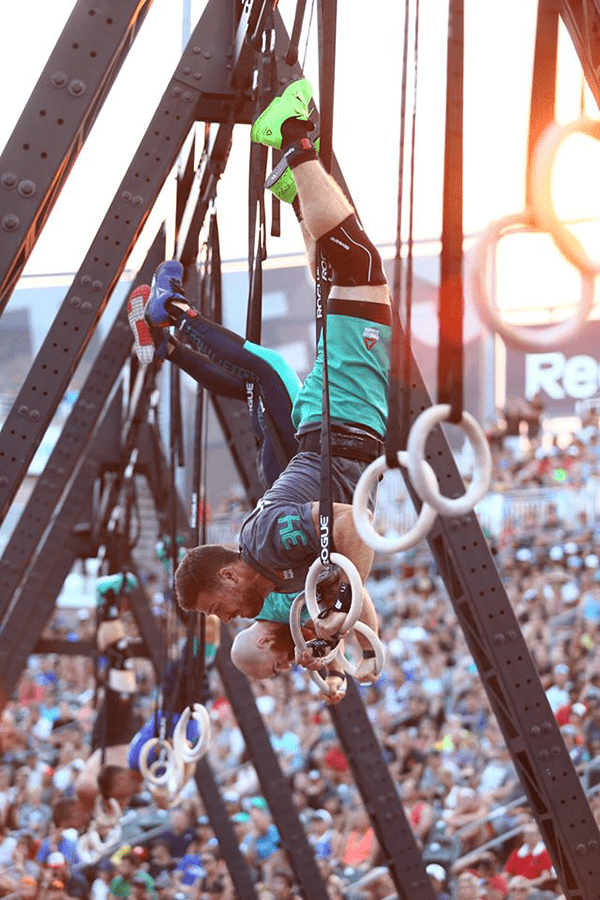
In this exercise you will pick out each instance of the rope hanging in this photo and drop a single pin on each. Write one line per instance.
(451, 306)
(257, 244)
(399, 383)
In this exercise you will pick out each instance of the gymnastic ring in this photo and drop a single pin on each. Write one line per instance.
(410, 538)
(101, 816)
(310, 589)
(541, 190)
(376, 644)
(183, 748)
(323, 685)
(101, 844)
(300, 642)
(482, 469)
(148, 770)
(551, 337)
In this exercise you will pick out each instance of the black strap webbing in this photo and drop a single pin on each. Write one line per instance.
(395, 439)
(327, 10)
(450, 350)
(291, 57)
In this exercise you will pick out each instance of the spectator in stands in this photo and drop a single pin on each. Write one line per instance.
(467, 887)
(104, 872)
(261, 846)
(357, 847)
(467, 820)
(215, 884)
(519, 888)
(180, 833)
(531, 860)
(558, 692)
(283, 885)
(419, 812)
(437, 876)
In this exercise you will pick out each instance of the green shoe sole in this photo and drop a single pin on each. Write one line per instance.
(293, 104)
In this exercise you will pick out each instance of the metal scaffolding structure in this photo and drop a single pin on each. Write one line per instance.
(110, 429)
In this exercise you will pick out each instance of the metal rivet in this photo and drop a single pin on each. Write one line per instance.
(96, 285)
(512, 635)
(544, 754)
(536, 730)
(197, 49)
(9, 180)
(197, 75)
(555, 751)
(187, 70)
(592, 845)
(126, 196)
(34, 415)
(546, 726)
(75, 301)
(581, 849)
(23, 410)
(499, 638)
(59, 79)
(85, 280)
(137, 200)
(27, 188)
(86, 306)
(176, 91)
(187, 96)
(10, 222)
(3, 480)
(76, 87)
(207, 54)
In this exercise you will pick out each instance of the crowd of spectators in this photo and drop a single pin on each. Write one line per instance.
(455, 778)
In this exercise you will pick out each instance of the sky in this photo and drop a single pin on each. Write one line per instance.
(499, 41)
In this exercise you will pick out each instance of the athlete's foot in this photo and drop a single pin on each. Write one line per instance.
(281, 180)
(167, 301)
(148, 340)
(292, 104)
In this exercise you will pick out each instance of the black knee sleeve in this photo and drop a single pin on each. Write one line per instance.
(351, 255)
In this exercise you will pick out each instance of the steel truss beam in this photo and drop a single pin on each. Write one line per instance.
(274, 784)
(64, 105)
(379, 793)
(464, 560)
(183, 102)
(509, 675)
(70, 446)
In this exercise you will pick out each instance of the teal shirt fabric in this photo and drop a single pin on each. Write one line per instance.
(357, 366)
(276, 608)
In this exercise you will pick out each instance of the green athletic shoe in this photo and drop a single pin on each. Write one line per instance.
(281, 180)
(293, 104)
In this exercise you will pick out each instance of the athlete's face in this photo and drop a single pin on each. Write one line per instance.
(229, 601)
(277, 657)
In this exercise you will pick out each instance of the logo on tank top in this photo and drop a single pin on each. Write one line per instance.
(370, 336)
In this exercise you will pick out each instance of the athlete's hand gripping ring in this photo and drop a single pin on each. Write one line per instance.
(349, 667)
(360, 511)
(186, 751)
(530, 340)
(482, 469)
(324, 685)
(310, 589)
(541, 190)
(159, 771)
(103, 817)
(300, 642)
(99, 844)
